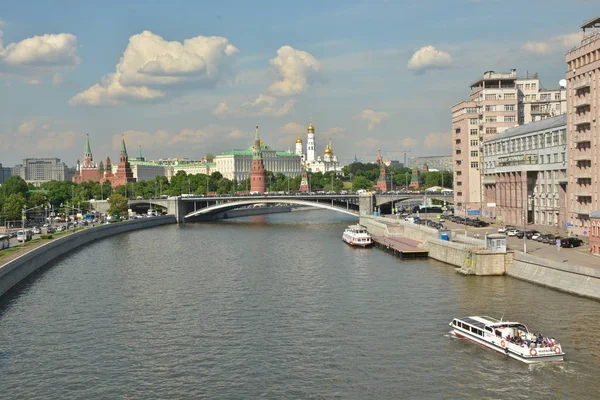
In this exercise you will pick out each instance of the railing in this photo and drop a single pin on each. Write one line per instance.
(581, 101)
(585, 82)
(583, 157)
(582, 119)
(585, 136)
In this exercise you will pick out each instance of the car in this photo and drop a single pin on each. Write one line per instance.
(570, 242)
(36, 230)
(50, 230)
(535, 235)
(61, 228)
(502, 229)
(512, 232)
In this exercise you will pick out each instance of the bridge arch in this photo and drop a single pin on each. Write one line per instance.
(250, 201)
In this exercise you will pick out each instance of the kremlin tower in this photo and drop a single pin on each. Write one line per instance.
(258, 173)
(382, 182)
(124, 173)
(88, 171)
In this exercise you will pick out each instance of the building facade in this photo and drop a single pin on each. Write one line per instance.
(595, 232)
(40, 170)
(5, 173)
(525, 178)
(583, 129)
(439, 163)
(497, 102)
(311, 161)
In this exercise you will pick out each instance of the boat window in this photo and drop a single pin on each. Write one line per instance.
(487, 328)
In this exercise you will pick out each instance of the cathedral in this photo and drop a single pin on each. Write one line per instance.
(329, 161)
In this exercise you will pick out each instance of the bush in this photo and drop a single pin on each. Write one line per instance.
(46, 236)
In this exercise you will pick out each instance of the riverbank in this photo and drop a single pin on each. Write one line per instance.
(470, 257)
(19, 268)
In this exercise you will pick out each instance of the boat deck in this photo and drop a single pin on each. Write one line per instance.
(404, 247)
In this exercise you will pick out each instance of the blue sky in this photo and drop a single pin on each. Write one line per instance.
(182, 79)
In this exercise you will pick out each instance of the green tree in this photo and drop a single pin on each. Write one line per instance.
(37, 199)
(14, 185)
(13, 206)
(118, 205)
(360, 182)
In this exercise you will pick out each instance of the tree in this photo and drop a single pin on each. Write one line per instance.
(13, 206)
(38, 199)
(360, 182)
(14, 185)
(118, 205)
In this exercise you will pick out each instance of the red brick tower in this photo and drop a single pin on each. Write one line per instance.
(108, 169)
(258, 173)
(304, 182)
(86, 171)
(124, 174)
(382, 183)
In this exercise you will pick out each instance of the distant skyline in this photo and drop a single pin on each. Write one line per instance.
(191, 78)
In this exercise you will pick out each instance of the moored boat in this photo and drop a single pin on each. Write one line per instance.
(356, 235)
(510, 338)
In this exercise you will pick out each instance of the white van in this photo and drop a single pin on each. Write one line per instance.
(361, 191)
(24, 236)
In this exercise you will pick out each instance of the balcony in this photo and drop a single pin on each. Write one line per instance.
(489, 181)
(583, 136)
(585, 156)
(540, 112)
(582, 83)
(581, 101)
(581, 119)
(583, 211)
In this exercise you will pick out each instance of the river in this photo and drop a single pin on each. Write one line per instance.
(276, 307)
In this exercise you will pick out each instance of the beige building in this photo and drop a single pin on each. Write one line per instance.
(583, 118)
(498, 101)
(525, 174)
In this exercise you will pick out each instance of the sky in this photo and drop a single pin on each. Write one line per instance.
(186, 78)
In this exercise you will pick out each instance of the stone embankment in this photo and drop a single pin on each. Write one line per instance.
(470, 257)
(20, 268)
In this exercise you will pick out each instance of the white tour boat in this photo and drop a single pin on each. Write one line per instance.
(510, 338)
(356, 235)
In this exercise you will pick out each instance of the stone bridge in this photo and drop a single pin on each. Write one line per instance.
(188, 209)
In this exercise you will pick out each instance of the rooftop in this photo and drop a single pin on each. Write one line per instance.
(592, 23)
(560, 121)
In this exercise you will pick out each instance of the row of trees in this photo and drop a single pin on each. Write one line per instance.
(16, 194)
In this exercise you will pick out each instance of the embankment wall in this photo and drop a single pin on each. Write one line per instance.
(20, 268)
(575, 279)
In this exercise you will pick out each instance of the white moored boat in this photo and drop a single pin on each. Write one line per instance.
(510, 338)
(356, 235)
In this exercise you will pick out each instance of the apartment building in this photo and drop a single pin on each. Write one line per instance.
(583, 117)
(440, 163)
(498, 101)
(5, 173)
(525, 177)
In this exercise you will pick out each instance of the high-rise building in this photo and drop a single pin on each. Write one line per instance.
(583, 129)
(440, 163)
(497, 101)
(40, 170)
(5, 173)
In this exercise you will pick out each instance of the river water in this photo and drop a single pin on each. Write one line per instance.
(276, 307)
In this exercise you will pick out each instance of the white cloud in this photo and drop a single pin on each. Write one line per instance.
(262, 106)
(38, 56)
(429, 57)
(373, 117)
(292, 128)
(408, 142)
(336, 131)
(556, 44)
(297, 70)
(185, 137)
(149, 62)
(57, 79)
(37, 139)
(437, 140)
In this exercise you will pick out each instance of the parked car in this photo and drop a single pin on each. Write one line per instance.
(512, 232)
(50, 230)
(36, 230)
(571, 242)
(502, 229)
(535, 235)
(61, 228)
(549, 239)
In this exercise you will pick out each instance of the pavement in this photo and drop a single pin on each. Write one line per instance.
(577, 255)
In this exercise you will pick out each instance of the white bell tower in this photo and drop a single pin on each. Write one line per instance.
(310, 143)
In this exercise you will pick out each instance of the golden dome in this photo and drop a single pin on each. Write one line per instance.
(299, 140)
(328, 150)
(311, 128)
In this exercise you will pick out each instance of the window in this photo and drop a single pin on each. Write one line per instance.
(510, 118)
(520, 86)
(490, 119)
(471, 110)
(457, 130)
(490, 108)
(563, 136)
(474, 164)
(458, 183)
(555, 157)
(534, 86)
(509, 96)
(458, 151)
(555, 138)
(474, 153)
(548, 140)
(533, 97)
(547, 158)
(474, 142)
(490, 97)
(459, 194)
(557, 96)
(509, 107)
(458, 173)
(563, 157)
(491, 131)
(473, 121)
(557, 108)
(474, 132)
(527, 86)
